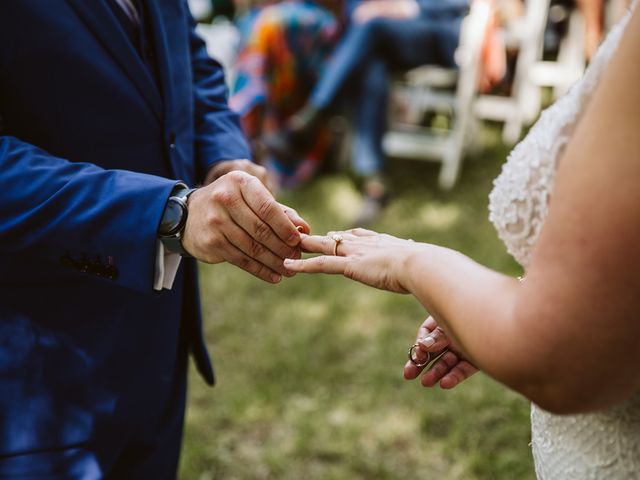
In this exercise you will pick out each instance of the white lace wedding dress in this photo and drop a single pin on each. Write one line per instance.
(603, 445)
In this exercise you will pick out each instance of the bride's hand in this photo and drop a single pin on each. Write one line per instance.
(450, 369)
(375, 259)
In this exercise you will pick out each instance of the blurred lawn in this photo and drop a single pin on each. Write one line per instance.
(310, 371)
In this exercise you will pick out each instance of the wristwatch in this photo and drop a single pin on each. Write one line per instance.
(174, 219)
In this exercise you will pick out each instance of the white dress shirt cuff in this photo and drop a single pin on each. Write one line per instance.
(167, 264)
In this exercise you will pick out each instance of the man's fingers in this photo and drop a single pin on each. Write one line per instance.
(301, 225)
(261, 232)
(238, 258)
(257, 213)
(226, 166)
(262, 203)
(261, 174)
(257, 251)
(256, 170)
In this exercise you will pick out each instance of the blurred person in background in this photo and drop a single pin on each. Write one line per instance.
(382, 36)
(566, 336)
(111, 112)
(285, 46)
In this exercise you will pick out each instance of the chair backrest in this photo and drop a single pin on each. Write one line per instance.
(469, 52)
(530, 46)
(423, 91)
(526, 35)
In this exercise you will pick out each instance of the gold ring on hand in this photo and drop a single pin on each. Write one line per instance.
(338, 239)
(412, 356)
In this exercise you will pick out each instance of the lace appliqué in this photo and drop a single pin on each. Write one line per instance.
(595, 446)
(520, 197)
(604, 445)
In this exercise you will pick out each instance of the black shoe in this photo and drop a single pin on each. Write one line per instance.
(376, 197)
(369, 212)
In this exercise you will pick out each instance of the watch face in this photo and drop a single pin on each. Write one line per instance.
(173, 218)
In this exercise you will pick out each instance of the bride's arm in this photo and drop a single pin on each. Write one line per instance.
(568, 337)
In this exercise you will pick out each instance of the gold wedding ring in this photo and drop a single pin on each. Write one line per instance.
(338, 239)
(412, 356)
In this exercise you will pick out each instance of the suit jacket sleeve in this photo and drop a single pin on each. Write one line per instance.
(218, 135)
(56, 210)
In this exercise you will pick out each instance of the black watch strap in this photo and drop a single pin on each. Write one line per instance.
(174, 245)
(173, 240)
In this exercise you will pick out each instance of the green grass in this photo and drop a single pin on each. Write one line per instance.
(310, 371)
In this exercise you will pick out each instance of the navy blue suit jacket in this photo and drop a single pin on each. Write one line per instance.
(90, 147)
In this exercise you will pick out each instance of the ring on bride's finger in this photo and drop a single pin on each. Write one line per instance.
(412, 356)
(338, 239)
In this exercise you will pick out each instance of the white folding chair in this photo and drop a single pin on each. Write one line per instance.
(526, 35)
(432, 88)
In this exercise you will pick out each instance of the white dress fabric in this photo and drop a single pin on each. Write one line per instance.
(602, 445)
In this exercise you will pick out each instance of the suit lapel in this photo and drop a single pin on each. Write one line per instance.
(163, 16)
(100, 20)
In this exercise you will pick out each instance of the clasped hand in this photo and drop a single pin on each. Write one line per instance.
(236, 219)
(450, 367)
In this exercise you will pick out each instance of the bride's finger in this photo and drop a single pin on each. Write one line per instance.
(330, 244)
(411, 371)
(321, 264)
(430, 323)
(317, 244)
(427, 327)
(439, 369)
(344, 235)
(433, 341)
(362, 232)
(457, 374)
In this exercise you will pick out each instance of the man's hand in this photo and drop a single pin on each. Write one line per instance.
(226, 166)
(235, 219)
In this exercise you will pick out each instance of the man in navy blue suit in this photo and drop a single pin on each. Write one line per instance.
(110, 113)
